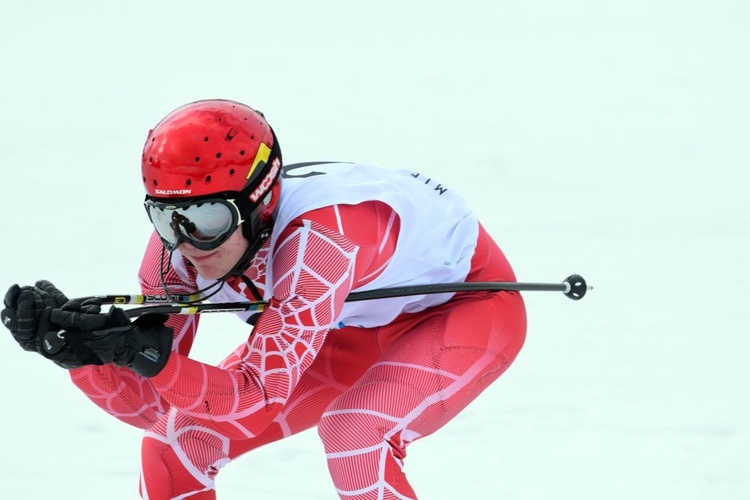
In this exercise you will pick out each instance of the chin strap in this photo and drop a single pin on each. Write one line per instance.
(247, 257)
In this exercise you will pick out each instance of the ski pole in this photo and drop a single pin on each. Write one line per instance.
(573, 287)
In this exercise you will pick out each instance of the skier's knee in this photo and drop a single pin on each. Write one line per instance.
(168, 474)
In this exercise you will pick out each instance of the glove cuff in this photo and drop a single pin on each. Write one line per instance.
(150, 346)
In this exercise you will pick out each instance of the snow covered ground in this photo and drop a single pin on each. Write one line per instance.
(604, 138)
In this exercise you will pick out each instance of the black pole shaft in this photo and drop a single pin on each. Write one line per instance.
(574, 287)
(403, 291)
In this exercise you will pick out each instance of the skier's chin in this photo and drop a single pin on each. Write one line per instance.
(212, 270)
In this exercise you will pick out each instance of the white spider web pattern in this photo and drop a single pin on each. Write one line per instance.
(314, 266)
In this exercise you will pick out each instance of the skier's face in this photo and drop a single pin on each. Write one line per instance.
(214, 264)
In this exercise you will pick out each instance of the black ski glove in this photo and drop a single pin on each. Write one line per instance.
(143, 345)
(27, 316)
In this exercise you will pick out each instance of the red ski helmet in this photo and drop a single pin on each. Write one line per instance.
(216, 148)
(208, 147)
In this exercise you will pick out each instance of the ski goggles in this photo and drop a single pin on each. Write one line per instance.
(204, 223)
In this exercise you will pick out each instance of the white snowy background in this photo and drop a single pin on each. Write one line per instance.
(608, 139)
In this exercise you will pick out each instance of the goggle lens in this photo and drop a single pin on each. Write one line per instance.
(204, 224)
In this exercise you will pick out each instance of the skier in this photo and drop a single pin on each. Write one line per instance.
(232, 224)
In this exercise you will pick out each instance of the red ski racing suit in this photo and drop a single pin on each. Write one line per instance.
(373, 376)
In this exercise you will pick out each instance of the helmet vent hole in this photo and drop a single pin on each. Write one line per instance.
(155, 183)
(252, 137)
(218, 155)
(205, 139)
(188, 182)
(208, 178)
(231, 171)
(197, 159)
(144, 178)
(242, 153)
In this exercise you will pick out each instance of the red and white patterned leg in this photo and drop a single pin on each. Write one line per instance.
(180, 458)
(441, 361)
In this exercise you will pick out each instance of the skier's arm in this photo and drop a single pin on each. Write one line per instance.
(121, 392)
(312, 269)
